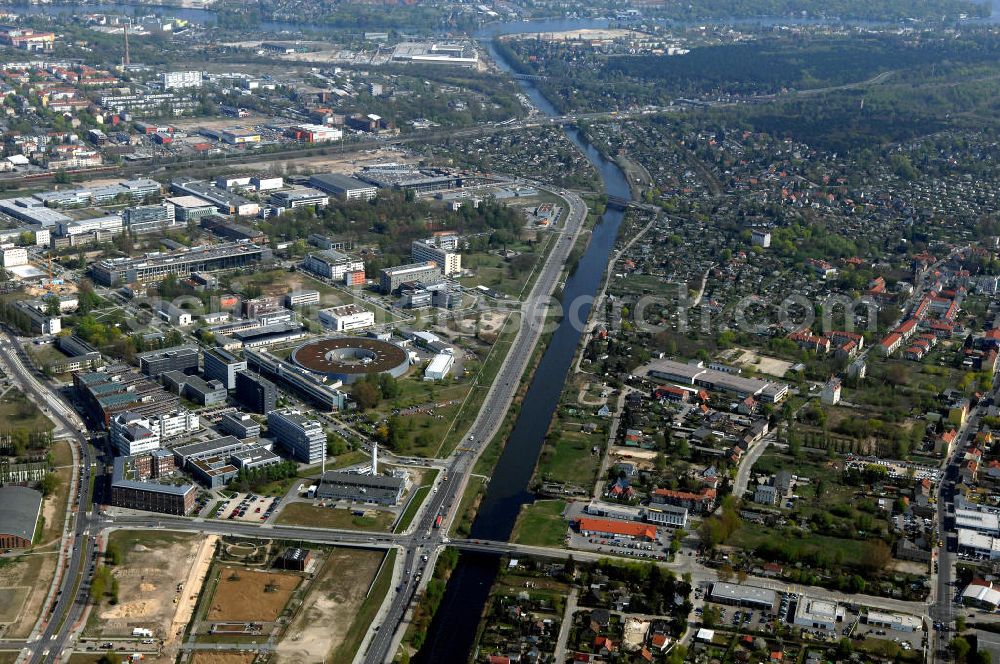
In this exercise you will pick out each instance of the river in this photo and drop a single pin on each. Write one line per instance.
(453, 630)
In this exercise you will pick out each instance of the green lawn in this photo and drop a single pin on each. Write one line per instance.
(306, 514)
(568, 458)
(366, 614)
(468, 506)
(16, 412)
(751, 535)
(419, 496)
(541, 524)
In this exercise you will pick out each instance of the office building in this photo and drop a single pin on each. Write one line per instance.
(333, 265)
(442, 251)
(305, 383)
(346, 318)
(177, 358)
(303, 437)
(255, 392)
(109, 225)
(194, 388)
(225, 201)
(390, 279)
(223, 366)
(240, 425)
(135, 494)
(41, 321)
(190, 208)
(133, 434)
(154, 267)
(118, 388)
(181, 79)
(377, 489)
(299, 197)
(149, 218)
(344, 187)
(302, 298)
(14, 256)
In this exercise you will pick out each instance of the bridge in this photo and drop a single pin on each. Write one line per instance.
(528, 77)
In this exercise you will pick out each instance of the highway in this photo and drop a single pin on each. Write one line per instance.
(69, 605)
(426, 539)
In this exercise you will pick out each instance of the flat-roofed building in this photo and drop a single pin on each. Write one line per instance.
(344, 187)
(333, 265)
(377, 489)
(302, 436)
(391, 278)
(240, 425)
(177, 358)
(817, 613)
(190, 208)
(977, 544)
(176, 499)
(441, 251)
(154, 267)
(672, 516)
(300, 197)
(974, 520)
(900, 622)
(742, 595)
(255, 392)
(223, 366)
(346, 318)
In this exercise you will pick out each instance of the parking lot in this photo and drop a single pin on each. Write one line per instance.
(622, 547)
(248, 507)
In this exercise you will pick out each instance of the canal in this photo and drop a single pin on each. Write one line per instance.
(453, 631)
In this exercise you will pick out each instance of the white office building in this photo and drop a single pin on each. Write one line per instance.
(14, 256)
(443, 251)
(300, 435)
(181, 79)
(346, 318)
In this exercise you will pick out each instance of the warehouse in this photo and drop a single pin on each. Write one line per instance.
(897, 621)
(982, 522)
(740, 595)
(379, 489)
(19, 510)
(344, 187)
(439, 366)
(817, 613)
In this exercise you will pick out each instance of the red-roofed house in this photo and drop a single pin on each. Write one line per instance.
(615, 527)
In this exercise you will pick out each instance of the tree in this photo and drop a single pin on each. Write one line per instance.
(960, 624)
(710, 616)
(959, 648)
(365, 395)
(49, 483)
(875, 555)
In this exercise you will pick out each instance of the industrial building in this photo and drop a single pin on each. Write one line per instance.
(377, 489)
(154, 267)
(346, 318)
(740, 595)
(148, 496)
(391, 278)
(895, 621)
(439, 366)
(335, 265)
(817, 613)
(987, 523)
(222, 366)
(977, 544)
(302, 436)
(447, 53)
(255, 392)
(343, 187)
(19, 511)
(224, 201)
(695, 373)
(177, 358)
(442, 251)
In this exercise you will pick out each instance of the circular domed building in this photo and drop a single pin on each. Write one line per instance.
(349, 359)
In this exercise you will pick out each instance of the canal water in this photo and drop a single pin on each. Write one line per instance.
(452, 633)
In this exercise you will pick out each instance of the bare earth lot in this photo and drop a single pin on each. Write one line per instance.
(26, 582)
(222, 658)
(250, 595)
(330, 606)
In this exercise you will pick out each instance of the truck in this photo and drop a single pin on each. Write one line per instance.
(438, 520)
